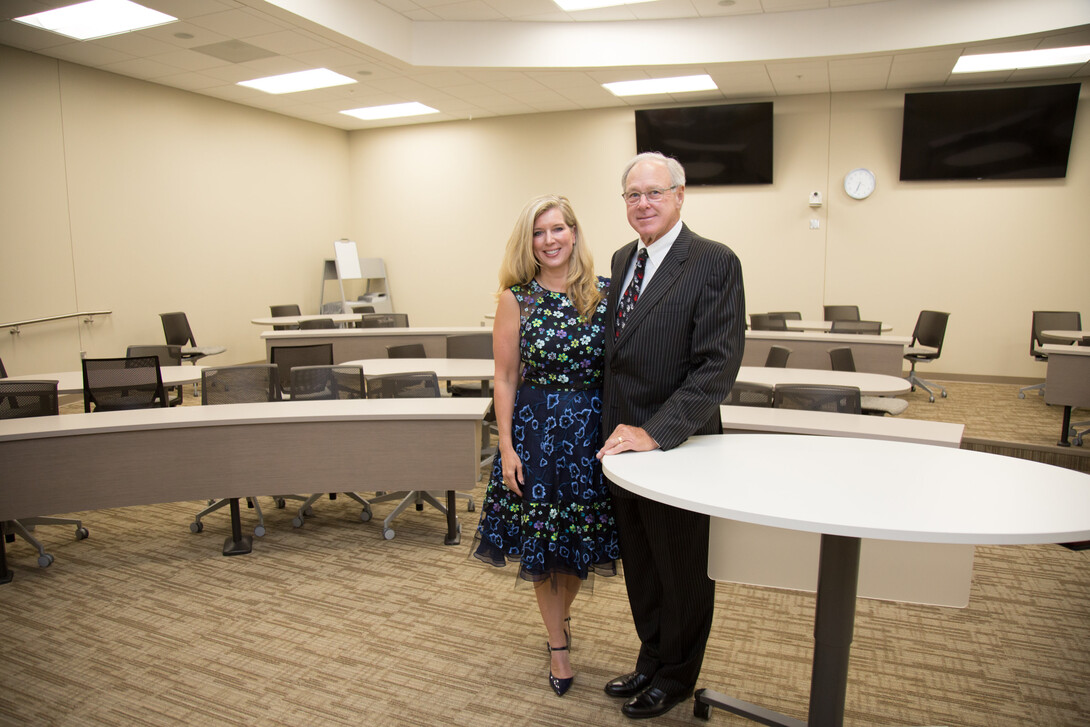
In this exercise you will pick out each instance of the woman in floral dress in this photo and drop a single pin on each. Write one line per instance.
(547, 505)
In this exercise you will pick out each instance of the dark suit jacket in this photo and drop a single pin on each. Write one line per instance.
(679, 353)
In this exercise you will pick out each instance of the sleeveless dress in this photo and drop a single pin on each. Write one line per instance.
(564, 522)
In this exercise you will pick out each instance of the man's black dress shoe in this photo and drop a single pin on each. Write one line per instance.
(652, 702)
(628, 685)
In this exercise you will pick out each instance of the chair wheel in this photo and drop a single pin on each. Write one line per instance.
(259, 531)
(82, 533)
(280, 503)
(944, 395)
(196, 527)
(932, 399)
(365, 515)
(45, 560)
(1021, 395)
(388, 533)
(297, 521)
(309, 511)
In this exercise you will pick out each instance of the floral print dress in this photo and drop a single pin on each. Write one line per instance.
(563, 523)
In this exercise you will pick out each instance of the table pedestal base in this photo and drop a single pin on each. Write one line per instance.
(236, 543)
(834, 624)
(454, 533)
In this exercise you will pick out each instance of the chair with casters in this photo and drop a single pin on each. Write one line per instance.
(841, 312)
(310, 383)
(814, 397)
(168, 356)
(178, 333)
(316, 323)
(1048, 320)
(766, 322)
(787, 315)
(929, 334)
(744, 393)
(237, 385)
(113, 384)
(384, 320)
(288, 357)
(20, 400)
(289, 309)
(777, 357)
(870, 327)
(841, 359)
(475, 345)
(406, 350)
(416, 384)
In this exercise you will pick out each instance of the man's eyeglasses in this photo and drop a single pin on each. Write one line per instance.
(652, 195)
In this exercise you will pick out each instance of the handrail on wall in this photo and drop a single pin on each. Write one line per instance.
(89, 318)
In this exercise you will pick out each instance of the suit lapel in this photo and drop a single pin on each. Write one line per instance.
(661, 283)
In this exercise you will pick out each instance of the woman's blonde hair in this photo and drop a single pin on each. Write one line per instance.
(520, 266)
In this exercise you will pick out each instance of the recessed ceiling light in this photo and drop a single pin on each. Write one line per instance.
(391, 111)
(572, 5)
(1022, 59)
(97, 19)
(298, 81)
(679, 84)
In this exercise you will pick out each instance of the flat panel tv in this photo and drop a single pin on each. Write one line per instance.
(717, 145)
(1005, 133)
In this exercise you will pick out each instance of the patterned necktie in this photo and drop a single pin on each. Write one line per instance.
(631, 293)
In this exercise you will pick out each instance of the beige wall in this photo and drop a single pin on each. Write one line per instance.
(124, 195)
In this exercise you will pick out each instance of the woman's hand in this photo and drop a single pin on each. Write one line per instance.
(512, 470)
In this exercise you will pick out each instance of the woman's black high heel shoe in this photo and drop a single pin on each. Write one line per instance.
(560, 686)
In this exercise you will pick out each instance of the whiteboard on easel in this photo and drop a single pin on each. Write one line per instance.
(348, 260)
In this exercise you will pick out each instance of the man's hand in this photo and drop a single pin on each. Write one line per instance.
(627, 439)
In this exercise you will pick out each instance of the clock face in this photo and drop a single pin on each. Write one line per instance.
(859, 183)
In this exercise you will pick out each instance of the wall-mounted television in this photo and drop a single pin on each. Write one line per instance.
(723, 144)
(1004, 133)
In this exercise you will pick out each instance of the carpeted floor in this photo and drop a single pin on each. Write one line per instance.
(145, 623)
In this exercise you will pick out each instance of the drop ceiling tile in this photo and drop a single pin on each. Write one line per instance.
(473, 10)
(799, 78)
(288, 42)
(859, 74)
(187, 60)
(238, 23)
(190, 81)
(144, 68)
(86, 54)
(923, 68)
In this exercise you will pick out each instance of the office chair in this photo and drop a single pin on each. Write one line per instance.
(744, 393)
(316, 323)
(841, 312)
(406, 350)
(843, 399)
(418, 384)
(288, 357)
(168, 356)
(475, 345)
(310, 383)
(20, 400)
(777, 357)
(787, 315)
(766, 322)
(841, 359)
(384, 320)
(178, 333)
(869, 327)
(236, 385)
(1048, 320)
(113, 384)
(288, 309)
(929, 333)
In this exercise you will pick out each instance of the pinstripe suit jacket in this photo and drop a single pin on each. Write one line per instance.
(678, 355)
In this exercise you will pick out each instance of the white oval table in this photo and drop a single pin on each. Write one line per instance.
(847, 489)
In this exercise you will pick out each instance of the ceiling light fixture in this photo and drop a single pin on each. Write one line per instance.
(574, 5)
(391, 111)
(1022, 59)
(298, 81)
(679, 84)
(97, 19)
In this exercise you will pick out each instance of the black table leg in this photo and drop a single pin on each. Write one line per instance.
(834, 624)
(5, 574)
(1066, 428)
(237, 543)
(453, 537)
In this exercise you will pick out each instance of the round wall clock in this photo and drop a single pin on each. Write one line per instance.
(859, 183)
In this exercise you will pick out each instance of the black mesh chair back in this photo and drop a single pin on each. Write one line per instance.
(327, 382)
(384, 320)
(168, 356)
(841, 312)
(787, 315)
(930, 331)
(240, 384)
(112, 384)
(841, 359)
(765, 322)
(414, 384)
(470, 345)
(290, 309)
(777, 357)
(744, 393)
(312, 323)
(406, 350)
(176, 329)
(871, 327)
(1052, 320)
(843, 399)
(288, 357)
(25, 398)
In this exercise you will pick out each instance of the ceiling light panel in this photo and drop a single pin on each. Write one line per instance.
(391, 111)
(298, 81)
(1022, 59)
(678, 84)
(97, 19)
(574, 5)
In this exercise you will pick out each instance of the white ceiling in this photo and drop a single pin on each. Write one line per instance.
(482, 58)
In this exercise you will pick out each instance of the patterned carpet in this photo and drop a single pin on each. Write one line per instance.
(145, 623)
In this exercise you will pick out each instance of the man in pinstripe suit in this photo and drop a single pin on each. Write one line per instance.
(671, 358)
